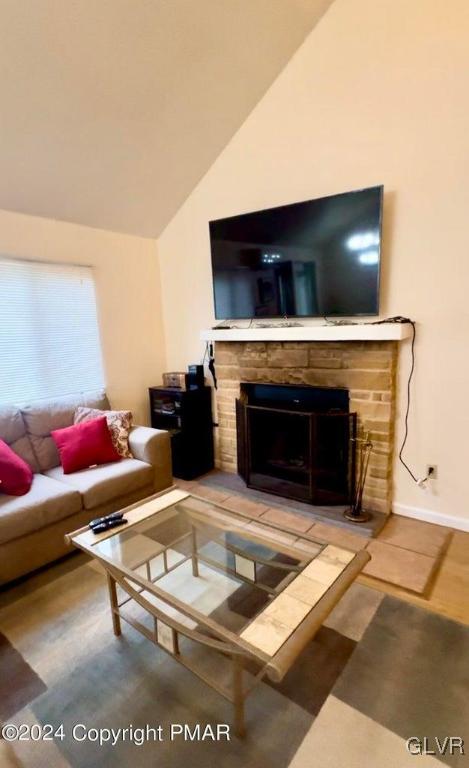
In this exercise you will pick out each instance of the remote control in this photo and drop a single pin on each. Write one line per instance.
(102, 527)
(112, 516)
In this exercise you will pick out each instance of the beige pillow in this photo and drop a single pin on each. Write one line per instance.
(119, 423)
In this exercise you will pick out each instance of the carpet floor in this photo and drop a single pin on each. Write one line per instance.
(377, 673)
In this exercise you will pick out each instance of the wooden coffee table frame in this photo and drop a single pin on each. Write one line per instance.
(167, 630)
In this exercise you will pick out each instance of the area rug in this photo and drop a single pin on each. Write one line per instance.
(378, 672)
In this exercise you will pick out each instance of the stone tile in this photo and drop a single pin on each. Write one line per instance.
(185, 485)
(233, 484)
(241, 504)
(409, 673)
(336, 555)
(198, 505)
(287, 358)
(269, 533)
(166, 637)
(415, 535)
(307, 590)
(267, 634)
(288, 610)
(459, 549)
(211, 493)
(335, 535)
(451, 589)
(245, 567)
(398, 566)
(323, 571)
(287, 519)
(309, 547)
(345, 738)
(214, 514)
(354, 611)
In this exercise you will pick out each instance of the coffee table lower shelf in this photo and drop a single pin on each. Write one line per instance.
(166, 634)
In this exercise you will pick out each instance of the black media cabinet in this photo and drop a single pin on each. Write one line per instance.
(187, 415)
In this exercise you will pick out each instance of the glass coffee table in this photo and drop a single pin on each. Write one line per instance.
(207, 584)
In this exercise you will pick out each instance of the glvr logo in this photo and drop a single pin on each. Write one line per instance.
(450, 745)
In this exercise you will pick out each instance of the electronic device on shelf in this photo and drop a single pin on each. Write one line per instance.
(195, 376)
(187, 416)
(175, 379)
(310, 259)
(193, 379)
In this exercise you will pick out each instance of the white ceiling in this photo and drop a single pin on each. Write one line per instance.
(112, 110)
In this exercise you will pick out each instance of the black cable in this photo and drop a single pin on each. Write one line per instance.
(406, 420)
(395, 319)
(211, 365)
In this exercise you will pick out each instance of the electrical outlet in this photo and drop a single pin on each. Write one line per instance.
(432, 471)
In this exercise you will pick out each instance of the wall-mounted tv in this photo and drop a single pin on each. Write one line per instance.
(317, 258)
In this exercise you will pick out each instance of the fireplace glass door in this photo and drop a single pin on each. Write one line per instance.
(296, 454)
(280, 451)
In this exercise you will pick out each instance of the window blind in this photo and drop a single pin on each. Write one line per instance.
(49, 335)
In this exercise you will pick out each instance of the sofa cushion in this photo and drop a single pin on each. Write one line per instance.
(47, 502)
(119, 423)
(42, 417)
(84, 445)
(16, 476)
(102, 484)
(13, 433)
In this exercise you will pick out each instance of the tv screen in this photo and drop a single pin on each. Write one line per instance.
(316, 258)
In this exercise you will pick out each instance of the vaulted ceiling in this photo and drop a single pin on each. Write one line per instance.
(112, 110)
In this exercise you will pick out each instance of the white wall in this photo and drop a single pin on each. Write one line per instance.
(128, 297)
(378, 93)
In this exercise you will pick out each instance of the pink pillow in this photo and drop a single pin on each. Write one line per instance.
(119, 423)
(16, 476)
(85, 445)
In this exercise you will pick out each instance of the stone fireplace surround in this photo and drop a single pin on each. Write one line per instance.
(367, 368)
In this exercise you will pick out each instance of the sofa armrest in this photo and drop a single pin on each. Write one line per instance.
(154, 447)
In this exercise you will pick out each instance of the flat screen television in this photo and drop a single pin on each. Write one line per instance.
(317, 258)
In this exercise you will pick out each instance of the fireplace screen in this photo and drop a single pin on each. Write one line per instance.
(298, 454)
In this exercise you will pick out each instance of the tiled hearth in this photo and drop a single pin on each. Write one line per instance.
(366, 368)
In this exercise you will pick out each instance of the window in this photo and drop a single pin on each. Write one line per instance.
(49, 336)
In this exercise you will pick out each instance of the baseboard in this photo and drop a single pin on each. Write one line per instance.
(428, 516)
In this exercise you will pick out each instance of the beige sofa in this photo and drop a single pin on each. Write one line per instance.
(32, 527)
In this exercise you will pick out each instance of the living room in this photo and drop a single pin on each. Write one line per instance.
(128, 129)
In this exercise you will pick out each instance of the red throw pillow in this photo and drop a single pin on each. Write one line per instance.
(16, 476)
(85, 445)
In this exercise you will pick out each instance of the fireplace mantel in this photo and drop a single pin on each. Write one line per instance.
(359, 332)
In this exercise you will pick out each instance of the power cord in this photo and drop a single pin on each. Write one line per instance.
(422, 480)
(406, 420)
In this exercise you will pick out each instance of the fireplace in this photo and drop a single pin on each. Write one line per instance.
(296, 441)
(365, 369)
